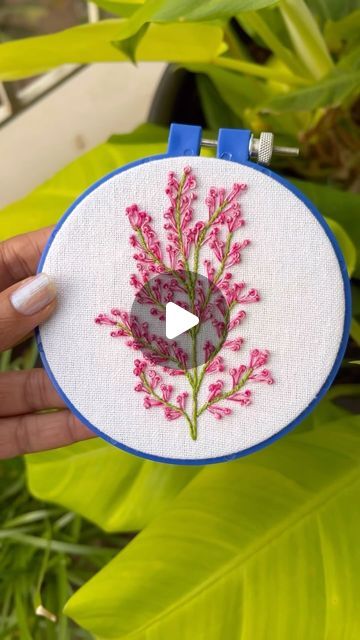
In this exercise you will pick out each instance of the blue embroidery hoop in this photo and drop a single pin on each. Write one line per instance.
(232, 145)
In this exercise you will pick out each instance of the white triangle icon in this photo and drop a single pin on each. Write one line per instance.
(178, 320)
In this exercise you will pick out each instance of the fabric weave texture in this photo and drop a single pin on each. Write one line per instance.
(299, 318)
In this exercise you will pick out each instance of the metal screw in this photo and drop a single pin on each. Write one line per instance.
(261, 149)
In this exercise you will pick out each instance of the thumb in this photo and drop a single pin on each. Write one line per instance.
(23, 307)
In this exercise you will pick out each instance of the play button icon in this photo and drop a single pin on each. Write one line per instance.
(178, 320)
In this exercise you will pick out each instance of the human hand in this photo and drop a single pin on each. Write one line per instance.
(25, 302)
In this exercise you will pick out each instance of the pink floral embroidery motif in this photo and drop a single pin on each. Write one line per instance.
(181, 255)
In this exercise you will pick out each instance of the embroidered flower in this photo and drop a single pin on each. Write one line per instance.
(234, 345)
(172, 414)
(258, 358)
(185, 240)
(219, 412)
(217, 364)
(181, 399)
(139, 367)
(215, 390)
(166, 390)
(208, 349)
(238, 318)
(262, 376)
(242, 397)
(150, 402)
(236, 374)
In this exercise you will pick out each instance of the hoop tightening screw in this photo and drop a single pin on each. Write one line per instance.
(262, 148)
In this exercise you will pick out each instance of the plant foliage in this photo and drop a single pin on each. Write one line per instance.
(264, 547)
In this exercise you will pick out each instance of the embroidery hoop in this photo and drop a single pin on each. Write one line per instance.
(233, 146)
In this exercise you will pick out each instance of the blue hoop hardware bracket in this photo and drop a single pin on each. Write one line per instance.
(238, 145)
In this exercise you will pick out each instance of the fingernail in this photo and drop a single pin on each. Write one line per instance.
(34, 295)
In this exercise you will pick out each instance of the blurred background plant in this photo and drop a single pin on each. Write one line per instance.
(276, 532)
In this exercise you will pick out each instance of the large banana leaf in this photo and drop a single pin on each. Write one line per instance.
(116, 490)
(171, 10)
(120, 492)
(95, 43)
(264, 547)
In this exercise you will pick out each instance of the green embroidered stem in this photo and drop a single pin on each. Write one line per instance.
(223, 261)
(150, 347)
(154, 257)
(197, 379)
(178, 224)
(156, 302)
(216, 279)
(194, 384)
(203, 233)
(166, 403)
(226, 394)
(195, 414)
(217, 349)
(227, 315)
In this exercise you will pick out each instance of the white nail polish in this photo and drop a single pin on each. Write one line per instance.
(34, 295)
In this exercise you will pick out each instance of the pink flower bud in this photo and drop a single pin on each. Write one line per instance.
(234, 345)
(150, 402)
(139, 366)
(219, 412)
(242, 397)
(215, 390)
(258, 358)
(172, 414)
(262, 376)
(236, 374)
(216, 365)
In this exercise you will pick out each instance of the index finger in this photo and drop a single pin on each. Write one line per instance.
(19, 256)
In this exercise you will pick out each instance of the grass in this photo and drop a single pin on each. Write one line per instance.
(46, 552)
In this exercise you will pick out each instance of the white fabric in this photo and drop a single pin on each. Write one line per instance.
(299, 319)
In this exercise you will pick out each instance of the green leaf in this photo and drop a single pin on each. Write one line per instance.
(355, 295)
(332, 91)
(332, 9)
(180, 42)
(243, 95)
(217, 113)
(210, 9)
(345, 30)
(187, 10)
(47, 203)
(263, 547)
(306, 37)
(239, 93)
(355, 330)
(327, 410)
(346, 245)
(116, 490)
(130, 45)
(18, 537)
(269, 26)
(350, 61)
(342, 206)
(124, 9)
